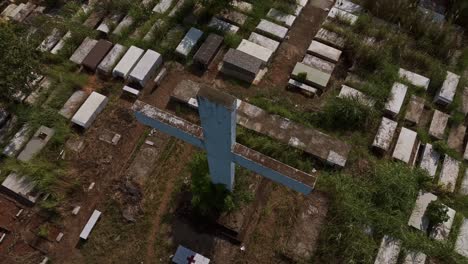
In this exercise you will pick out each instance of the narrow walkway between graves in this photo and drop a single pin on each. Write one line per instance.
(293, 49)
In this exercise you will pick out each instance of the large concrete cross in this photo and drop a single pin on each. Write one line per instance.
(217, 136)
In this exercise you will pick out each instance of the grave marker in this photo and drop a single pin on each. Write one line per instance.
(388, 251)
(264, 41)
(461, 245)
(189, 42)
(83, 50)
(318, 63)
(128, 61)
(418, 218)
(36, 143)
(384, 137)
(415, 110)
(146, 68)
(442, 231)
(396, 99)
(430, 160)
(414, 257)
(283, 18)
(405, 145)
(438, 124)
(241, 65)
(449, 88)
(314, 77)
(223, 26)
(414, 78)
(272, 30)
(255, 50)
(449, 173)
(88, 112)
(324, 51)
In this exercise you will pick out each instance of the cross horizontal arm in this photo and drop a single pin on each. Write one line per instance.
(273, 169)
(169, 123)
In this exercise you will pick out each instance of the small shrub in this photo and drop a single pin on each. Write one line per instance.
(347, 114)
(302, 76)
(232, 40)
(436, 213)
(43, 231)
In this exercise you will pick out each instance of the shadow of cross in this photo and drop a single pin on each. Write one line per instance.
(217, 136)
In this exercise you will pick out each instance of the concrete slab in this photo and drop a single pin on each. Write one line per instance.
(21, 188)
(177, 7)
(464, 184)
(189, 42)
(185, 90)
(418, 219)
(388, 251)
(405, 145)
(314, 77)
(429, 160)
(90, 109)
(264, 41)
(415, 109)
(61, 43)
(318, 63)
(223, 26)
(109, 22)
(282, 18)
(449, 173)
(336, 13)
(384, 137)
(348, 6)
(306, 89)
(126, 22)
(108, 63)
(17, 10)
(73, 104)
(242, 6)
(83, 50)
(241, 65)
(18, 141)
(449, 88)
(97, 54)
(50, 41)
(93, 20)
(163, 6)
(349, 92)
(146, 68)
(461, 245)
(36, 143)
(456, 137)
(330, 38)
(415, 258)
(7, 11)
(90, 225)
(208, 50)
(255, 50)
(324, 51)
(24, 12)
(233, 17)
(128, 61)
(396, 99)
(414, 78)
(438, 124)
(442, 231)
(272, 30)
(464, 105)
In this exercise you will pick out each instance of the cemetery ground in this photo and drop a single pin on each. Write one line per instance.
(143, 183)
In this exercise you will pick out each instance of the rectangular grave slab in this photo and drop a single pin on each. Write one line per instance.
(163, 6)
(17, 10)
(185, 90)
(414, 78)
(128, 61)
(464, 184)
(7, 11)
(318, 63)
(438, 124)
(93, 20)
(90, 109)
(176, 7)
(208, 50)
(61, 43)
(304, 88)
(26, 11)
(349, 92)
(241, 65)
(233, 17)
(223, 26)
(146, 68)
(36, 143)
(336, 13)
(348, 6)
(18, 141)
(324, 51)
(189, 42)
(461, 245)
(97, 54)
(415, 258)
(108, 63)
(330, 38)
(405, 145)
(109, 22)
(429, 160)
(449, 88)
(126, 22)
(449, 173)
(159, 24)
(255, 50)
(264, 41)
(396, 99)
(464, 104)
(50, 41)
(388, 251)
(456, 137)
(415, 110)
(72, 104)
(314, 77)
(242, 6)
(442, 231)
(465, 155)
(83, 50)
(384, 137)
(282, 18)
(21, 188)
(418, 219)
(90, 225)
(272, 30)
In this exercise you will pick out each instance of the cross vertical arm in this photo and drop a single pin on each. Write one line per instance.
(273, 169)
(169, 124)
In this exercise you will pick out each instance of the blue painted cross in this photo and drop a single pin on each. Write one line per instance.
(217, 136)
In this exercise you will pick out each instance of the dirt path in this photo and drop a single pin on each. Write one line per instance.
(293, 49)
